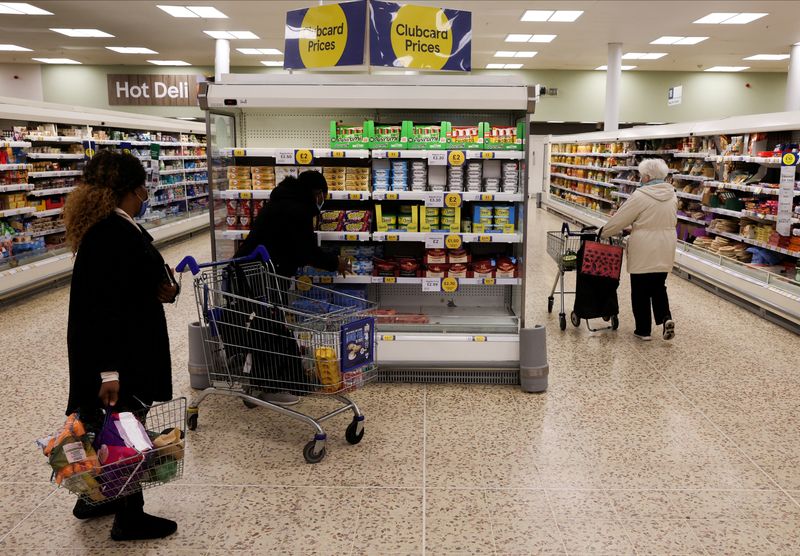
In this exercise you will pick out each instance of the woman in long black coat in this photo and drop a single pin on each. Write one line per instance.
(117, 331)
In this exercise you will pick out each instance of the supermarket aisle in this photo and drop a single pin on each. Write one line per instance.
(688, 447)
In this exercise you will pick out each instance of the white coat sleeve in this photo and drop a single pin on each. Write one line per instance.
(624, 217)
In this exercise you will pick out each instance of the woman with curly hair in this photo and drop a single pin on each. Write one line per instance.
(117, 331)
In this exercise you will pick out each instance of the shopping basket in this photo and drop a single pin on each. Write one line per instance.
(76, 453)
(266, 333)
(565, 248)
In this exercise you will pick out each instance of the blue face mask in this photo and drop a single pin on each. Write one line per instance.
(143, 208)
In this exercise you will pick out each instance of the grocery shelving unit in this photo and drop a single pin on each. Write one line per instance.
(470, 334)
(727, 190)
(43, 150)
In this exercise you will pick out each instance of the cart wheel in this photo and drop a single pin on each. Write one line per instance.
(562, 321)
(573, 318)
(192, 421)
(614, 322)
(606, 319)
(311, 457)
(550, 304)
(248, 404)
(353, 434)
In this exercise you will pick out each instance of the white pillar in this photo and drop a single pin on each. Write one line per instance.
(613, 79)
(222, 60)
(793, 80)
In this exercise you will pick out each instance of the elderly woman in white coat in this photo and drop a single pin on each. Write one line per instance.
(651, 212)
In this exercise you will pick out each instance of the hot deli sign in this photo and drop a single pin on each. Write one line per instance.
(152, 90)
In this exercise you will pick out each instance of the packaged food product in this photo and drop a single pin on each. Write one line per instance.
(358, 215)
(436, 271)
(483, 269)
(328, 369)
(458, 256)
(356, 226)
(331, 215)
(506, 267)
(335, 226)
(435, 256)
(385, 268)
(457, 270)
(408, 268)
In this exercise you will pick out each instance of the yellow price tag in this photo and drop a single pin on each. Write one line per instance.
(487, 154)
(303, 156)
(337, 154)
(246, 195)
(453, 241)
(456, 158)
(390, 280)
(449, 285)
(489, 281)
(392, 196)
(239, 152)
(89, 153)
(479, 338)
(387, 338)
(393, 237)
(452, 200)
(485, 239)
(351, 237)
(304, 283)
(326, 279)
(487, 197)
(393, 154)
(355, 196)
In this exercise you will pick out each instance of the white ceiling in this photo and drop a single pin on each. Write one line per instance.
(580, 45)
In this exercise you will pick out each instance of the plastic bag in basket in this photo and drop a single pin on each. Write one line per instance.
(121, 445)
(73, 459)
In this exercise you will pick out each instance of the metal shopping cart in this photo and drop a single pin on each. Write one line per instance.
(265, 333)
(564, 246)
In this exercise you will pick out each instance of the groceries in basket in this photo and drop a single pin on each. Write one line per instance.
(71, 455)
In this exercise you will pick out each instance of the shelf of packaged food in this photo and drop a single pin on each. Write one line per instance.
(465, 237)
(55, 174)
(178, 144)
(44, 213)
(172, 157)
(132, 142)
(13, 144)
(583, 180)
(55, 139)
(659, 151)
(605, 155)
(289, 153)
(243, 194)
(692, 220)
(461, 281)
(232, 235)
(756, 189)
(690, 196)
(489, 155)
(691, 155)
(349, 195)
(770, 217)
(172, 171)
(11, 167)
(626, 182)
(167, 185)
(55, 156)
(343, 236)
(16, 187)
(380, 195)
(350, 279)
(198, 196)
(48, 192)
(764, 161)
(620, 194)
(689, 177)
(16, 211)
(167, 202)
(583, 167)
(442, 154)
(724, 212)
(49, 232)
(582, 194)
(761, 244)
(625, 169)
(189, 170)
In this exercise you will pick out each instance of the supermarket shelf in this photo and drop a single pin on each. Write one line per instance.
(761, 244)
(44, 213)
(231, 235)
(498, 197)
(756, 189)
(178, 144)
(343, 236)
(764, 161)
(339, 279)
(400, 195)
(168, 202)
(49, 232)
(203, 169)
(167, 186)
(465, 237)
(243, 194)
(688, 177)
(621, 194)
(588, 195)
(16, 187)
(467, 196)
(193, 197)
(172, 171)
(583, 180)
(55, 139)
(12, 144)
(692, 155)
(56, 156)
(626, 182)
(660, 151)
(461, 281)
(725, 212)
(692, 220)
(133, 143)
(582, 167)
(603, 155)
(275, 153)
(489, 155)
(55, 174)
(691, 196)
(626, 168)
(48, 192)
(16, 211)
(4, 167)
(349, 195)
(770, 217)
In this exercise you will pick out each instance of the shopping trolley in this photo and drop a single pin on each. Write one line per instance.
(265, 333)
(564, 247)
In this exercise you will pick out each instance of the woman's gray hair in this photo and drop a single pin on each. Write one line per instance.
(654, 168)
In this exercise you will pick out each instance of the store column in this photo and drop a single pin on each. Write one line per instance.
(222, 60)
(793, 80)
(613, 79)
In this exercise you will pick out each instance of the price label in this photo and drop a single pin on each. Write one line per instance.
(392, 237)
(484, 239)
(434, 199)
(487, 154)
(479, 338)
(388, 337)
(449, 285)
(304, 283)
(434, 241)
(431, 284)
(355, 196)
(437, 158)
(452, 200)
(487, 197)
(489, 281)
(304, 157)
(392, 154)
(246, 195)
(390, 280)
(453, 241)
(456, 158)
(392, 196)
(239, 152)
(337, 154)
(351, 237)
(326, 279)
(284, 157)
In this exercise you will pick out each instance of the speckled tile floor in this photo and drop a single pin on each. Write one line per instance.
(689, 447)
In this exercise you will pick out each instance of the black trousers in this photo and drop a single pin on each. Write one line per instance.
(649, 290)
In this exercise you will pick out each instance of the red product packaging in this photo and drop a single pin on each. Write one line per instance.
(244, 222)
(506, 268)
(458, 270)
(232, 222)
(458, 256)
(331, 215)
(232, 207)
(334, 226)
(384, 268)
(358, 216)
(435, 256)
(483, 269)
(436, 271)
(409, 268)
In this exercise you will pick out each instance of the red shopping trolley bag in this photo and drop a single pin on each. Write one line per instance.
(601, 259)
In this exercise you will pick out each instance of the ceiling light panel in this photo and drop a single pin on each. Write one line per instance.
(516, 37)
(513, 66)
(565, 16)
(624, 68)
(727, 68)
(56, 61)
(536, 15)
(683, 41)
(21, 8)
(13, 48)
(643, 55)
(273, 63)
(205, 12)
(131, 50)
(231, 35)
(558, 16)
(260, 51)
(82, 33)
(730, 18)
(169, 62)
(503, 66)
(744, 18)
(542, 38)
(525, 54)
(767, 57)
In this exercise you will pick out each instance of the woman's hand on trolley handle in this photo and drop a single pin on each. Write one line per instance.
(109, 393)
(168, 289)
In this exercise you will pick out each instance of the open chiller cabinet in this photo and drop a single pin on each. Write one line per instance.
(429, 327)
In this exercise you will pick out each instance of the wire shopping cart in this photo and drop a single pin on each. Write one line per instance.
(266, 333)
(564, 247)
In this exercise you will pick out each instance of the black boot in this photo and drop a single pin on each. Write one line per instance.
(139, 526)
(84, 510)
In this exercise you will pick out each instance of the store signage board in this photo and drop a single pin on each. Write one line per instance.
(153, 90)
(421, 37)
(786, 192)
(325, 36)
(675, 95)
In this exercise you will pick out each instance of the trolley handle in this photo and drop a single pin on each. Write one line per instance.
(585, 231)
(260, 253)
